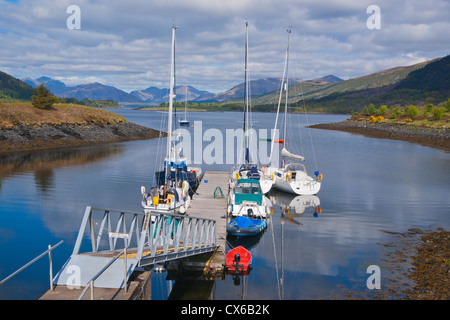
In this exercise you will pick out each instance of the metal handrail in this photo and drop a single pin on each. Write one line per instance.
(188, 235)
(90, 283)
(33, 261)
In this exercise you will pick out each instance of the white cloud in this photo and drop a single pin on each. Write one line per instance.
(127, 44)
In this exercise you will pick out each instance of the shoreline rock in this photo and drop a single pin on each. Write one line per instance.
(437, 138)
(25, 138)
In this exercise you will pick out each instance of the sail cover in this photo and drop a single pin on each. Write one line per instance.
(287, 154)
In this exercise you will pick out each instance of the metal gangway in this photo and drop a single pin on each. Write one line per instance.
(111, 244)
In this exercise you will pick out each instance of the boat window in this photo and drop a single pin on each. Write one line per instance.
(244, 188)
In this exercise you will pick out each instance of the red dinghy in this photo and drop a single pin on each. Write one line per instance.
(238, 261)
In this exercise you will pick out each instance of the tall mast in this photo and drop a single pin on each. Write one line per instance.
(171, 96)
(286, 88)
(281, 94)
(246, 119)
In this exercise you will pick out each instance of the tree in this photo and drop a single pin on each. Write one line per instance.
(372, 109)
(438, 113)
(43, 98)
(382, 110)
(411, 112)
(365, 110)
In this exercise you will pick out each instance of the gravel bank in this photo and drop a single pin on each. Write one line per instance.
(437, 138)
(22, 138)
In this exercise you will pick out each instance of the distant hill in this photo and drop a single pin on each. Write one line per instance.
(318, 88)
(156, 95)
(427, 82)
(257, 87)
(92, 91)
(97, 91)
(12, 88)
(331, 79)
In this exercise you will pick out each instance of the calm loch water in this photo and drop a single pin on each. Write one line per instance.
(369, 186)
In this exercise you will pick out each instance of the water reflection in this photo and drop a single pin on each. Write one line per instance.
(292, 206)
(43, 163)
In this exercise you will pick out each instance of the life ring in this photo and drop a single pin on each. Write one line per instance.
(193, 171)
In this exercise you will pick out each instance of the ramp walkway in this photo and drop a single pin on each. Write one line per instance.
(111, 244)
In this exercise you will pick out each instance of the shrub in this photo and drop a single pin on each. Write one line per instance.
(365, 110)
(43, 98)
(411, 112)
(429, 107)
(372, 110)
(382, 110)
(438, 113)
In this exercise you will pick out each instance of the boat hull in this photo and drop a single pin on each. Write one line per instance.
(244, 226)
(238, 261)
(294, 182)
(298, 188)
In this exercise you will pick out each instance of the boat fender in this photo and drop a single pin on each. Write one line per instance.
(182, 209)
(188, 201)
(229, 208)
(272, 176)
(237, 176)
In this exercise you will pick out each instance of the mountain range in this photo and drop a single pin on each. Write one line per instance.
(425, 82)
(155, 96)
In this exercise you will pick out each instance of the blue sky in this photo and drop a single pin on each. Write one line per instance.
(127, 43)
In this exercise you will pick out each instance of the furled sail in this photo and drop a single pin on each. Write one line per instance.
(287, 154)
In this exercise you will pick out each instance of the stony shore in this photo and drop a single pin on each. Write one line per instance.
(414, 264)
(418, 265)
(437, 138)
(45, 136)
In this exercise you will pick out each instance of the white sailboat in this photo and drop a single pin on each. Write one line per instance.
(171, 193)
(291, 177)
(249, 170)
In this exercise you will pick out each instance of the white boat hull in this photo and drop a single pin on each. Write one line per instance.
(302, 184)
(250, 209)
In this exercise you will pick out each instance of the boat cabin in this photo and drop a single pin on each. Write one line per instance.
(248, 190)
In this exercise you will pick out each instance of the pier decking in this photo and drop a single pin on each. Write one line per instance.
(206, 205)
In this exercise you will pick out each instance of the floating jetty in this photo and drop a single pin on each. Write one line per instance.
(209, 202)
(120, 264)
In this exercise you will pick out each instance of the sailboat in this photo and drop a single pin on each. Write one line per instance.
(185, 122)
(291, 177)
(249, 183)
(249, 170)
(171, 193)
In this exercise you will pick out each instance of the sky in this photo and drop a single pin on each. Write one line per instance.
(126, 44)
